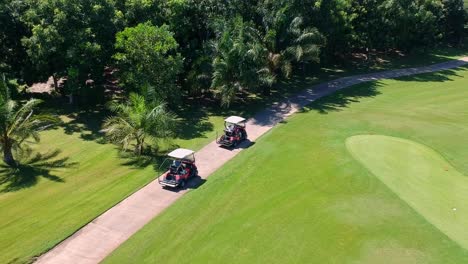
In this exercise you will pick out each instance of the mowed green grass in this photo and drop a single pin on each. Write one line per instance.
(419, 176)
(76, 179)
(299, 196)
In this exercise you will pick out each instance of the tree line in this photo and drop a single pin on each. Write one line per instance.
(163, 49)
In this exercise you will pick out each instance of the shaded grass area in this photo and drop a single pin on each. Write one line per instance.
(72, 175)
(298, 195)
(30, 169)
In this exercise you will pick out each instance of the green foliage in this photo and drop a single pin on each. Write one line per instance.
(335, 19)
(135, 12)
(136, 122)
(454, 18)
(402, 25)
(248, 57)
(287, 40)
(70, 34)
(18, 123)
(234, 67)
(147, 57)
(13, 57)
(164, 46)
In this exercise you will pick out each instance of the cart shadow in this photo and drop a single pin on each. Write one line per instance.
(192, 184)
(195, 183)
(244, 145)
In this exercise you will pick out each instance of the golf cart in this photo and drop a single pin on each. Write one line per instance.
(234, 132)
(181, 167)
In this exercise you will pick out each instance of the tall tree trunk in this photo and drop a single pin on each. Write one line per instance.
(139, 146)
(54, 77)
(56, 86)
(8, 155)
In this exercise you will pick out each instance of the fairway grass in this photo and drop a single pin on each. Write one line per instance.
(420, 177)
(71, 178)
(299, 196)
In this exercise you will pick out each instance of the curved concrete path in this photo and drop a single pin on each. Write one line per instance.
(96, 240)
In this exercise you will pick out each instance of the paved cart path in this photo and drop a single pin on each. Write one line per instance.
(96, 240)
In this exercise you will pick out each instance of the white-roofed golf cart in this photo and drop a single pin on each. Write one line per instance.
(180, 166)
(234, 132)
(237, 120)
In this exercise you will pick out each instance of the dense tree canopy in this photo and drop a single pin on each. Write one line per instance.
(165, 48)
(66, 36)
(148, 59)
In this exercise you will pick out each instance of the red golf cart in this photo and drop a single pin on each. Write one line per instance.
(234, 132)
(181, 167)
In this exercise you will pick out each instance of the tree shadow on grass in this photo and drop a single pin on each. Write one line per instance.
(341, 99)
(30, 167)
(438, 76)
(193, 120)
(151, 157)
(87, 122)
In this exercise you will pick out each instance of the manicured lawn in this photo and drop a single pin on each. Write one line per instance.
(299, 196)
(72, 176)
(421, 177)
(74, 180)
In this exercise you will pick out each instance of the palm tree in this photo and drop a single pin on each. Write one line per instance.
(136, 121)
(18, 123)
(229, 69)
(303, 44)
(248, 57)
(289, 43)
(238, 62)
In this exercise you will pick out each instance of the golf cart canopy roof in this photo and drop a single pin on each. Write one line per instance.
(181, 153)
(235, 120)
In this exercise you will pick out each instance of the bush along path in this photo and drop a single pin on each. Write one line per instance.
(96, 240)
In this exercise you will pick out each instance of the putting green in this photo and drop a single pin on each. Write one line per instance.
(420, 177)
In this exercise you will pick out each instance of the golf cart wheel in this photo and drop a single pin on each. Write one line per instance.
(182, 184)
